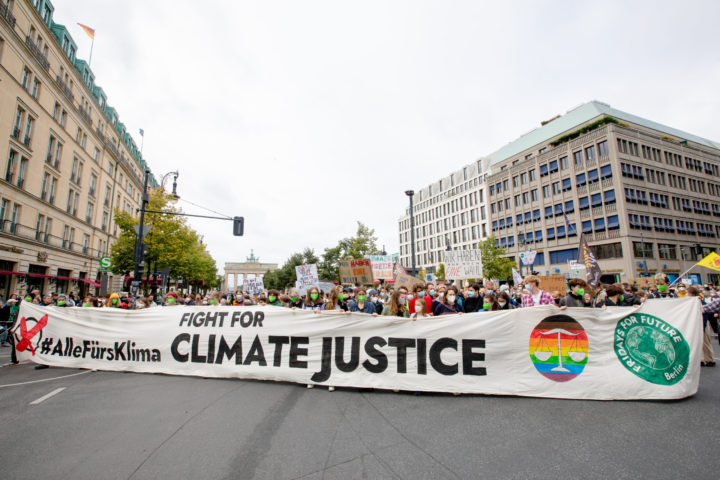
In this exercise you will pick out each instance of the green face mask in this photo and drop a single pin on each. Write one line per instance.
(341, 297)
(61, 303)
(212, 302)
(580, 291)
(662, 288)
(28, 299)
(314, 296)
(622, 298)
(272, 298)
(86, 304)
(114, 301)
(486, 306)
(294, 299)
(361, 298)
(170, 301)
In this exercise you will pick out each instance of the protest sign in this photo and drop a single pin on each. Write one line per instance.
(307, 275)
(462, 264)
(528, 257)
(616, 353)
(253, 285)
(382, 266)
(403, 279)
(644, 283)
(551, 283)
(355, 271)
(325, 287)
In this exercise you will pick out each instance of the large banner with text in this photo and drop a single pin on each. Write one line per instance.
(652, 352)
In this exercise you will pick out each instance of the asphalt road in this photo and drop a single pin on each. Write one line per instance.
(105, 425)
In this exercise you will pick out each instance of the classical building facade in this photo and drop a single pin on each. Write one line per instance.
(66, 160)
(644, 194)
(239, 271)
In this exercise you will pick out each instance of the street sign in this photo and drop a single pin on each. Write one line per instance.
(105, 263)
(528, 257)
(146, 230)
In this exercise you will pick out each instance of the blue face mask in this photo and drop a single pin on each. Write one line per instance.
(432, 292)
(471, 294)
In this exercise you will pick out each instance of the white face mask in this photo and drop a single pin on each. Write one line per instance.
(451, 298)
(441, 294)
(373, 299)
(489, 291)
(528, 286)
(409, 297)
(139, 305)
(502, 304)
(418, 308)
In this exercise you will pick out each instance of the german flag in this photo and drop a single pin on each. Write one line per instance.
(90, 32)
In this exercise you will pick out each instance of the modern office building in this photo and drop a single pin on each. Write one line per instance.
(67, 162)
(644, 194)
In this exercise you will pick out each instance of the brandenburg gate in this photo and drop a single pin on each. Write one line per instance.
(251, 267)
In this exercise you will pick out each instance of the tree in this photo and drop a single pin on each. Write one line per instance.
(170, 243)
(328, 266)
(495, 266)
(440, 274)
(363, 243)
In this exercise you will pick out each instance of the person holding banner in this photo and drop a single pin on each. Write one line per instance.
(396, 306)
(662, 283)
(335, 300)
(473, 301)
(576, 295)
(490, 303)
(535, 296)
(420, 310)
(313, 301)
(504, 302)
(295, 299)
(614, 296)
(420, 297)
(449, 305)
(361, 304)
(374, 299)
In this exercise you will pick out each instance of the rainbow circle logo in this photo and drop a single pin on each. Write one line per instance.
(559, 348)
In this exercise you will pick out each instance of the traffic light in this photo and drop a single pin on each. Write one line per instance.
(238, 226)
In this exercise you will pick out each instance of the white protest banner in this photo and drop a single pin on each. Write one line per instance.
(382, 266)
(253, 285)
(650, 352)
(462, 264)
(307, 275)
(528, 257)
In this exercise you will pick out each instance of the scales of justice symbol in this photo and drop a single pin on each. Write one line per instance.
(544, 351)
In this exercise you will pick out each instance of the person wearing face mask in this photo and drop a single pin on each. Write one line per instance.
(295, 299)
(489, 287)
(419, 310)
(535, 296)
(419, 297)
(362, 304)
(504, 302)
(613, 298)
(449, 305)
(576, 294)
(490, 303)
(662, 283)
(630, 294)
(375, 300)
(441, 290)
(473, 302)
(273, 298)
(397, 306)
(336, 300)
(313, 300)
(171, 299)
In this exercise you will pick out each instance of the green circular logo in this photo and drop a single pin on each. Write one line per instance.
(651, 349)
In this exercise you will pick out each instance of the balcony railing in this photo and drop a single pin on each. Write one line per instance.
(64, 88)
(27, 140)
(85, 116)
(35, 50)
(31, 233)
(5, 13)
(112, 147)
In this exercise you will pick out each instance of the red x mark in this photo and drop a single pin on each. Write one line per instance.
(24, 343)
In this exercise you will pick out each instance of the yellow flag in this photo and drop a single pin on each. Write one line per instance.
(711, 261)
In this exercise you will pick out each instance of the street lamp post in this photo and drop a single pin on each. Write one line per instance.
(139, 245)
(410, 194)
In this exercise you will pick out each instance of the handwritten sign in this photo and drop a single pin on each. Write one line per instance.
(644, 283)
(355, 271)
(382, 266)
(461, 264)
(552, 283)
(307, 275)
(253, 285)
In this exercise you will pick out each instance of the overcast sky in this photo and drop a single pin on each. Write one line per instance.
(305, 116)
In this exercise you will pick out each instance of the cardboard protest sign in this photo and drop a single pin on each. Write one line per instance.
(551, 283)
(355, 271)
(644, 283)
(462, 264)
(403, 279)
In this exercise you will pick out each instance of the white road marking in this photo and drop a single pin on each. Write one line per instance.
(46, 379)
(45, 397)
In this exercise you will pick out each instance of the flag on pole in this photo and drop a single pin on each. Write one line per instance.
(712, 261)
(517, 278)
(90, 32)
(567, 223)
(142, 132)
(587, 258)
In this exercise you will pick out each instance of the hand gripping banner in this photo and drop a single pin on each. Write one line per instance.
(651, 352)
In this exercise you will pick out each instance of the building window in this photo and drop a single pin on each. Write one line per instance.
(596, 200)
(584, 203)
(608, 251)
(563, 256)
(564, 163)
(553, 166)
(566, 184)
(590, 153)
(603, 148)
(599, 224)
(605, 171)
(587, 226)
(667, 251)
(543, 170)
(580, 180)
(578, 158)
(639, 248)
(609, 196)
(11, 165)
(613, 222)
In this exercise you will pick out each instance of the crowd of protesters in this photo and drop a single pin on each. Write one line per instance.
(419, 301)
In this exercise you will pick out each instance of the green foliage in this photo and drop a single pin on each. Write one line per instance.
(285, 276)
(363, 243)
(495, 266)
(440, 274)
(582, 131)
(170, 243)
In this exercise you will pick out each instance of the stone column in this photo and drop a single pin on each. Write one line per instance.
(225, 283)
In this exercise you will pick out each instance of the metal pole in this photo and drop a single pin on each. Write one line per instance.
(642, 242)
(137, 274)
(410, 194)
